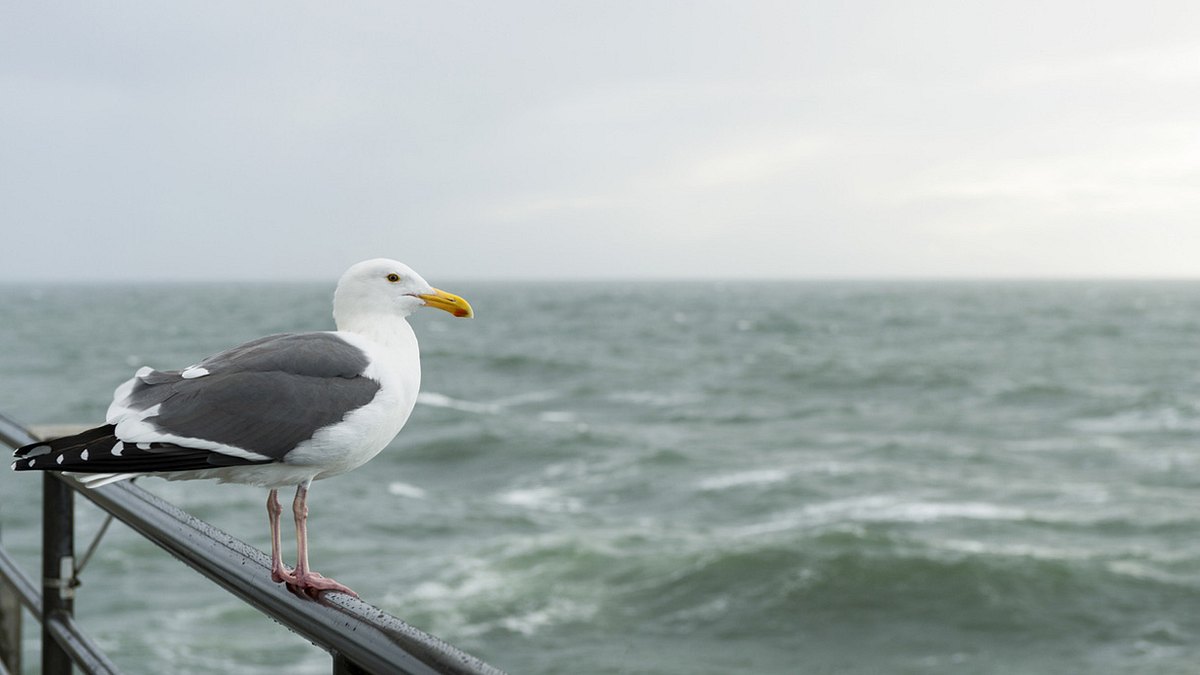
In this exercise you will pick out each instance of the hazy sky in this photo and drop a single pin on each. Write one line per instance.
(558, 139)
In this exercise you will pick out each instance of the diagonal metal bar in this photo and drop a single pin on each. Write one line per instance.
(83, 652)
(91, 549)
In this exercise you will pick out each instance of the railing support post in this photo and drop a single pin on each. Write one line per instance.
(58, 568)
(10, 629)
(344, 666)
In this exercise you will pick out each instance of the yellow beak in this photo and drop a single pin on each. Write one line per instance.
(448, 302)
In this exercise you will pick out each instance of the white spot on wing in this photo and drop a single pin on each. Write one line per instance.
(84, 456)
(38, 451)
(192, 372)
(59, 459)
(118, 449)
(143, 372)
(143, 446)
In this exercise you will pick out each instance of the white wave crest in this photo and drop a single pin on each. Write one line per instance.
(757, 477)
(405, 490)
(436, 400)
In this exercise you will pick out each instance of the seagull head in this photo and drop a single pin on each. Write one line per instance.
(388, 287)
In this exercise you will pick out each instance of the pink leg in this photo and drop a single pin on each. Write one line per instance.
(305, 578)
(278, 571)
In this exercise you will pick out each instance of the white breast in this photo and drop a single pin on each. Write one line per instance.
(363, 433)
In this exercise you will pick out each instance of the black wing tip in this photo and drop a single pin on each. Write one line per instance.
(50, 453)
(24, 464)
(32, 448)
(80, 439)
(66, 453)
(110, 455)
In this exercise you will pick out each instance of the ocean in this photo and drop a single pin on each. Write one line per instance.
(682, 478)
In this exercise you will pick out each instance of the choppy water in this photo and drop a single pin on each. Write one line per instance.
(695, 478)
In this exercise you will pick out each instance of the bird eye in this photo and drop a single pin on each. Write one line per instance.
(393, 277)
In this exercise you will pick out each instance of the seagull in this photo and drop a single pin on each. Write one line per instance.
(274, 412)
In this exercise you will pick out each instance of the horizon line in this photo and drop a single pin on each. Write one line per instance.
(638, 279)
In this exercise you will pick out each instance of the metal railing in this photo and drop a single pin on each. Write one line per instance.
(360, 637)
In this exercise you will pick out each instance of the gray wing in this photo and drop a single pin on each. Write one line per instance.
(265, 396)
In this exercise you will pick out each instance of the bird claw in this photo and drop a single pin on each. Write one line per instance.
(317, 582)
(283, 574)
(311, 584)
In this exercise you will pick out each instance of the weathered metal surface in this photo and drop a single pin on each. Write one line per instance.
(58, 560)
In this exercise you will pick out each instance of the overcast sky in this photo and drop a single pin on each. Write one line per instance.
(197, 140)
